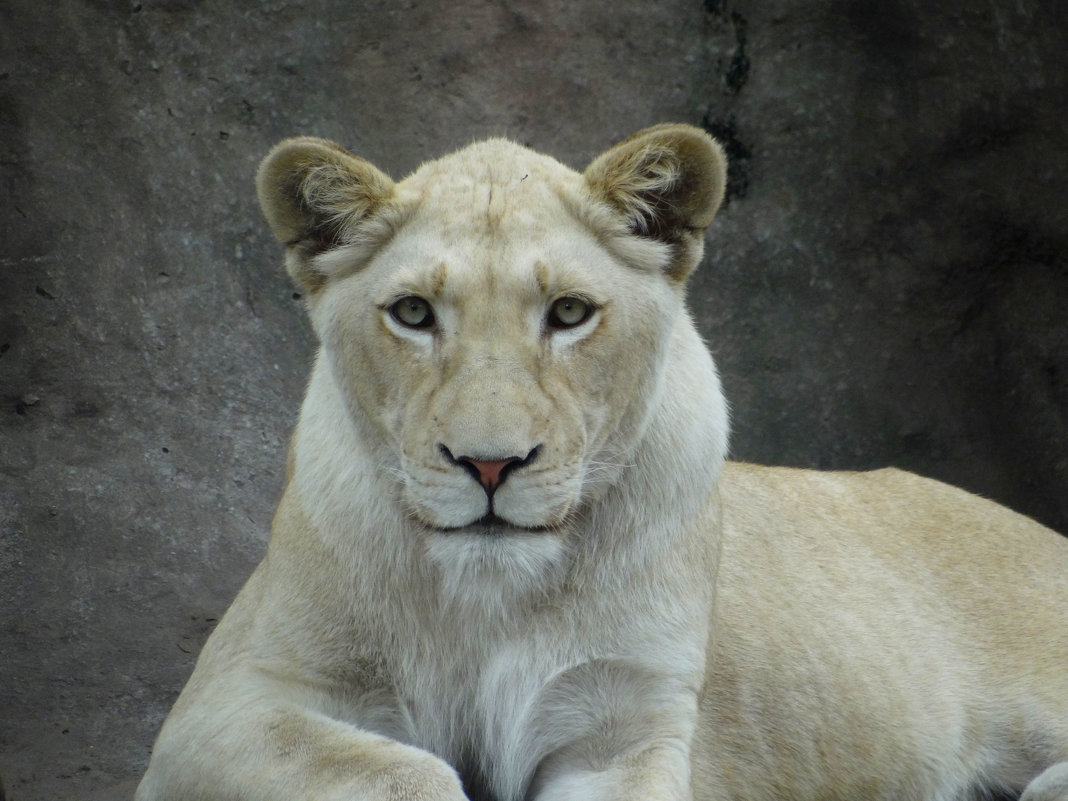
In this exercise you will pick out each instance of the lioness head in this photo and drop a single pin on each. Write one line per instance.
(498, 323)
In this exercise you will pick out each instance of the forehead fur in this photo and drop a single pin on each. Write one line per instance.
(492, 179)
(496, 185)
(492, 161)
(500, 190)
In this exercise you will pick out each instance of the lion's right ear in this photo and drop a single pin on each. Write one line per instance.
(667, 182)
(314, 194)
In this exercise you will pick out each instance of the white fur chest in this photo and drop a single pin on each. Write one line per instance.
(507, 706)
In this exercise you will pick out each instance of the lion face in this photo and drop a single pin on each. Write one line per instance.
(506, 363)
(498, 321)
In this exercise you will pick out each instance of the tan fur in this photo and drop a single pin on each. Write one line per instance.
(617, 614)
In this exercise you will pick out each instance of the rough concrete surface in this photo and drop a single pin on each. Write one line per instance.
(887, 285)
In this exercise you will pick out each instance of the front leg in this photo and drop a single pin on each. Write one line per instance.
(250, 739)
(1050, 785)
(618, 732)
(659, 773)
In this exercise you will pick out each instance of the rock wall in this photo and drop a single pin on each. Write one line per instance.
(887, 285)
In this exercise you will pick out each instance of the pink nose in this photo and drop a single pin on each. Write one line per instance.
(489, 473)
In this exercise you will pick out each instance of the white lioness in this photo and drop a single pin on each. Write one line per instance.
(494, 570)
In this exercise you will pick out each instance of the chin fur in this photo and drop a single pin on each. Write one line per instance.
(495, 568)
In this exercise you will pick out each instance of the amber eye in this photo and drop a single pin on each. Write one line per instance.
(568, 312)
(413, 312)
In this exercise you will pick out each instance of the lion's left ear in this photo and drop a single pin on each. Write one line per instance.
(668, 182)
(314, 194)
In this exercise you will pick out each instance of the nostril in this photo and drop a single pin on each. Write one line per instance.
(490, 473)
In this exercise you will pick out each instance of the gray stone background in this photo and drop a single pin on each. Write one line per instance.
(887, 285)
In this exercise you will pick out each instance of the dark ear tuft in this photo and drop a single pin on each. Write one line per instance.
(667, 182)
(313, 193)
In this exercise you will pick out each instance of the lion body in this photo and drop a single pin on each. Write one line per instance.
(493, 572)
(939, 615)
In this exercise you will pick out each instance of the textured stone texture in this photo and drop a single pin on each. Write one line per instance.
(888, 284)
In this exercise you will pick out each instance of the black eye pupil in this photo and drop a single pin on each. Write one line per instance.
(569, 312)
(412, 312)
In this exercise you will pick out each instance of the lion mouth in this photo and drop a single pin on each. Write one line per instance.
(491, 525)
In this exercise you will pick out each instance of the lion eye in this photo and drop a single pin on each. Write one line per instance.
(567, 312)
(413, 312)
